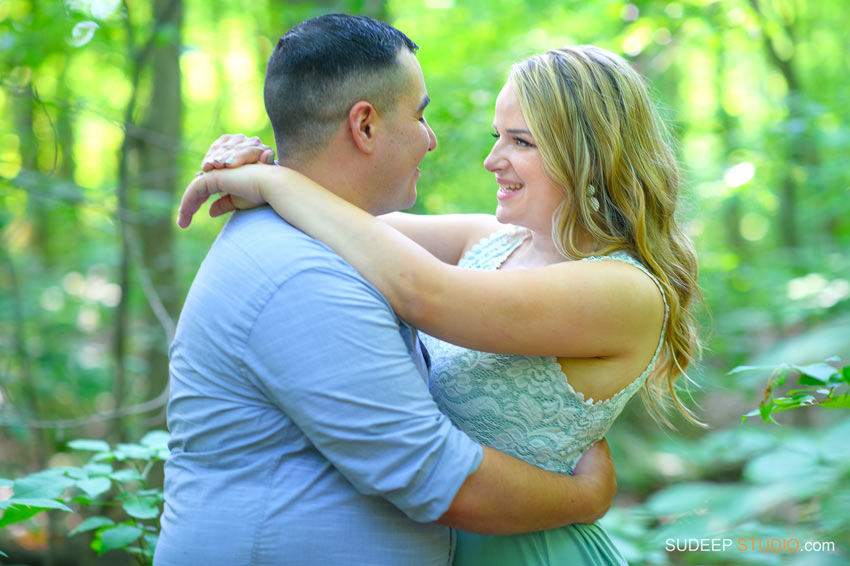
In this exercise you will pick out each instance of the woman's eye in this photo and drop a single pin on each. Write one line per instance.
(523, 143)
(495, 135)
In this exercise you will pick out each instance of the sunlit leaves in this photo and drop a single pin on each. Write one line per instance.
(91, 485)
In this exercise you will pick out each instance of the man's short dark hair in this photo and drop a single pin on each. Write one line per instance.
(321, 68)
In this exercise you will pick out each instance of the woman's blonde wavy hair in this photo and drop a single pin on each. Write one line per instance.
(601, 138)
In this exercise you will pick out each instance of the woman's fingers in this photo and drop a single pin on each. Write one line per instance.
(217, 149)
(198, 191)
(241, 182)
(234, 150)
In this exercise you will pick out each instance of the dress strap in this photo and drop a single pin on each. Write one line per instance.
(491, 251)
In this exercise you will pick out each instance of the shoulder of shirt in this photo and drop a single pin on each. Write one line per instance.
(277, 248)
(282, 256)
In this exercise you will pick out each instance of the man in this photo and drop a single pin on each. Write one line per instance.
(302, 427)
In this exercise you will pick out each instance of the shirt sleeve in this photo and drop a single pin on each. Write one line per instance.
(327, 349)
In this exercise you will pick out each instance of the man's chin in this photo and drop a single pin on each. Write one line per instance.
(411, 199)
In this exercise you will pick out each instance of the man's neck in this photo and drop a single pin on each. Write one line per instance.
(334, 175)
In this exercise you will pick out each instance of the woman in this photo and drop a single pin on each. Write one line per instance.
(585, 295)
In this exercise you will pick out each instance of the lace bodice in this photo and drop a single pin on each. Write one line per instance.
(522, 405)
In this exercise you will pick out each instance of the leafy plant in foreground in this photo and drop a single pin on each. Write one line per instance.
(821, 384)
(113, 477)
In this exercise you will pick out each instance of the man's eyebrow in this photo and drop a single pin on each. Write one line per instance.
(425, 102)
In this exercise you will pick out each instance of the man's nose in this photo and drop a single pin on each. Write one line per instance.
(432, 138)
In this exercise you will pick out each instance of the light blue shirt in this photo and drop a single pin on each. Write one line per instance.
(302, 430)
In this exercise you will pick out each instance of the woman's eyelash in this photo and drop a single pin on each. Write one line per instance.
(519, 141)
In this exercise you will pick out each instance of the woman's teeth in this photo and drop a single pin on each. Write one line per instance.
(511, 187)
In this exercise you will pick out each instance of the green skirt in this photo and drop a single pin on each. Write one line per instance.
(573, 545)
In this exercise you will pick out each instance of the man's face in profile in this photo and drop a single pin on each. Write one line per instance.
(408, 138)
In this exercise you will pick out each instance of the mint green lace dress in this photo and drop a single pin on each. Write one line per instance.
(525, 407)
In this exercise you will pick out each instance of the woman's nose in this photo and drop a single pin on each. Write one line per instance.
(494, 161)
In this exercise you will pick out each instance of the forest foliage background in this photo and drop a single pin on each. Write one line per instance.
(109, 105)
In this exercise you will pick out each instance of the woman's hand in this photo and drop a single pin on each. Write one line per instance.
(241, 188)
(233, 150)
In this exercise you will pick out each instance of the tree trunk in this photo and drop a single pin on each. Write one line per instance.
(157, 181)
(800, 152)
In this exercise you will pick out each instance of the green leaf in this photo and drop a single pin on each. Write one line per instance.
(97, 469)
(134, 451)
(81, 500)
(6, 483)
(805, 390)
(845, 374)
(18, 510)
(95, 486)
(41, 485)
(35, 502)
(154, 492)
(91, 524)
(743, 369)
(788, 403)
(765, 409)
(117, 537)
(840, 402)
(786, 466)
(800, 399)
(141, 508)
(126, 475)
(76, 473)
(3, 554)
(58, 472)
(156, 439)
(752, 413)
(819, 371)
(806, 379)
(16, 514)
(89, 445)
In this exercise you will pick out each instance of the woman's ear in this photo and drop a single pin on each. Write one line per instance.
(363, 123)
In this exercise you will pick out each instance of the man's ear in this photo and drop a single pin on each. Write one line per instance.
(363, 124)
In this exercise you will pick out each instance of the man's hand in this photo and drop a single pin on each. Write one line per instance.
(234, 150)
(240, 187)
(596, 469)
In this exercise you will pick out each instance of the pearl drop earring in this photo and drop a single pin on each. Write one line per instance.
(594, 202)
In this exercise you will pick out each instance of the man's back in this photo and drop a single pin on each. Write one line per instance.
(300, 427)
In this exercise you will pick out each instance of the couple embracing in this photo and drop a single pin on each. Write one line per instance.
(351, 385)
